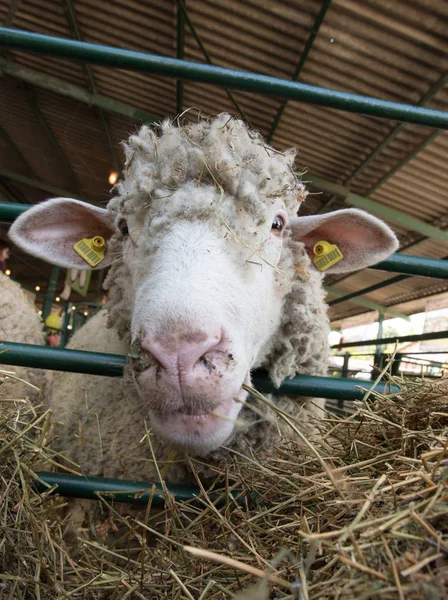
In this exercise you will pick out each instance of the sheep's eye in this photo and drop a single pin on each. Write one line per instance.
(278, 224)
(123, 227)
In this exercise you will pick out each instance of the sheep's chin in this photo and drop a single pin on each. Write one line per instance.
(199, 434)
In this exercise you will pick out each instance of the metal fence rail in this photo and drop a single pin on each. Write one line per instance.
(112, 365)
(238, 80)
(436, 335)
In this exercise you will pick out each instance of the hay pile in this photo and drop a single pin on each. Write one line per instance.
(362, 513)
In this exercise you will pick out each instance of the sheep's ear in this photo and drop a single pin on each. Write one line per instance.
(49, 230)
(362, 239)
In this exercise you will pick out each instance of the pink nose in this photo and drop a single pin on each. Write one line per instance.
(184, 352)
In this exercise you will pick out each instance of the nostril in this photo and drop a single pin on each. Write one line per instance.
(184, 350)
(208, 364)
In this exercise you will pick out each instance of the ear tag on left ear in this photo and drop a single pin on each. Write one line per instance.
(91, 250)
(326, 255)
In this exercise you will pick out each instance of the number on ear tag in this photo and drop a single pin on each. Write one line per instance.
(91, 250)
(326, 255)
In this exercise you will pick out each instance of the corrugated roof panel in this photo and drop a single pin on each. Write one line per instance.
(20, 122)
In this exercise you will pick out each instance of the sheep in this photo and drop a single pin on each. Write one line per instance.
(19, 322)
(212, 274)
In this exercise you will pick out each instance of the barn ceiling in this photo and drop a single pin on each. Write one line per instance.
(54, 142)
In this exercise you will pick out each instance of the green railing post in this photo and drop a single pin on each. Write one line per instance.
(378, 349)
(49, 296)
(344, 372)
(65, 323)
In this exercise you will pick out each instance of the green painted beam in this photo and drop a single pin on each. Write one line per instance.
(180, 44)
(9, 211)
(372, 305)
(429, 267)
(384, 212)
(59, 86)
(75, 29)
(53, 141)
(401, 339)
(209, 60)
(16, 152)
(300, 64)
(119, 58)
(39, 185)
(397, 217)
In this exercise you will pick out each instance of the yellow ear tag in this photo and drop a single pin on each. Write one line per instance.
(326, 255)
(91, 249)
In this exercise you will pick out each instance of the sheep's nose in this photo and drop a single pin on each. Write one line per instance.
(184, 352)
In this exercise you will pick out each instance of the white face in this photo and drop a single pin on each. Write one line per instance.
(205, 304)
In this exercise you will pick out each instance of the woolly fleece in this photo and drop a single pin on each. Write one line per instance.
(19, 322)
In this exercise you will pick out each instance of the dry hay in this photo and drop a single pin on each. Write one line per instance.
(361, 513)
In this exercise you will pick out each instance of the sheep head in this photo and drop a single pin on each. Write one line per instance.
(206, 251)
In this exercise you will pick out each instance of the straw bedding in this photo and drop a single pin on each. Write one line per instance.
(361, 513)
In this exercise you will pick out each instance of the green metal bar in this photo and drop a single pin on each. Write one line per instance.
(120, 490)
(368, 304)
(209, 60)
(17, 153)
(111, 365)
(53, 141)
(377, 359)
(368, 290)
(300, 64)
(415, 265)
(56, 359)
(39, 185)
(251, 82)
(181, 10)
(49, 296)
(73, 23)
(437, 335)
(59, 86)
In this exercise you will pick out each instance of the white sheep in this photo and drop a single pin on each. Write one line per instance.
(211, 276)
(20, 323)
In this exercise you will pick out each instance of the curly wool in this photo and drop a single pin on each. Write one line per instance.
(19, 323)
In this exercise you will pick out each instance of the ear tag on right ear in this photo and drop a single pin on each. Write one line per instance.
(91, 250)
(326, 255)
